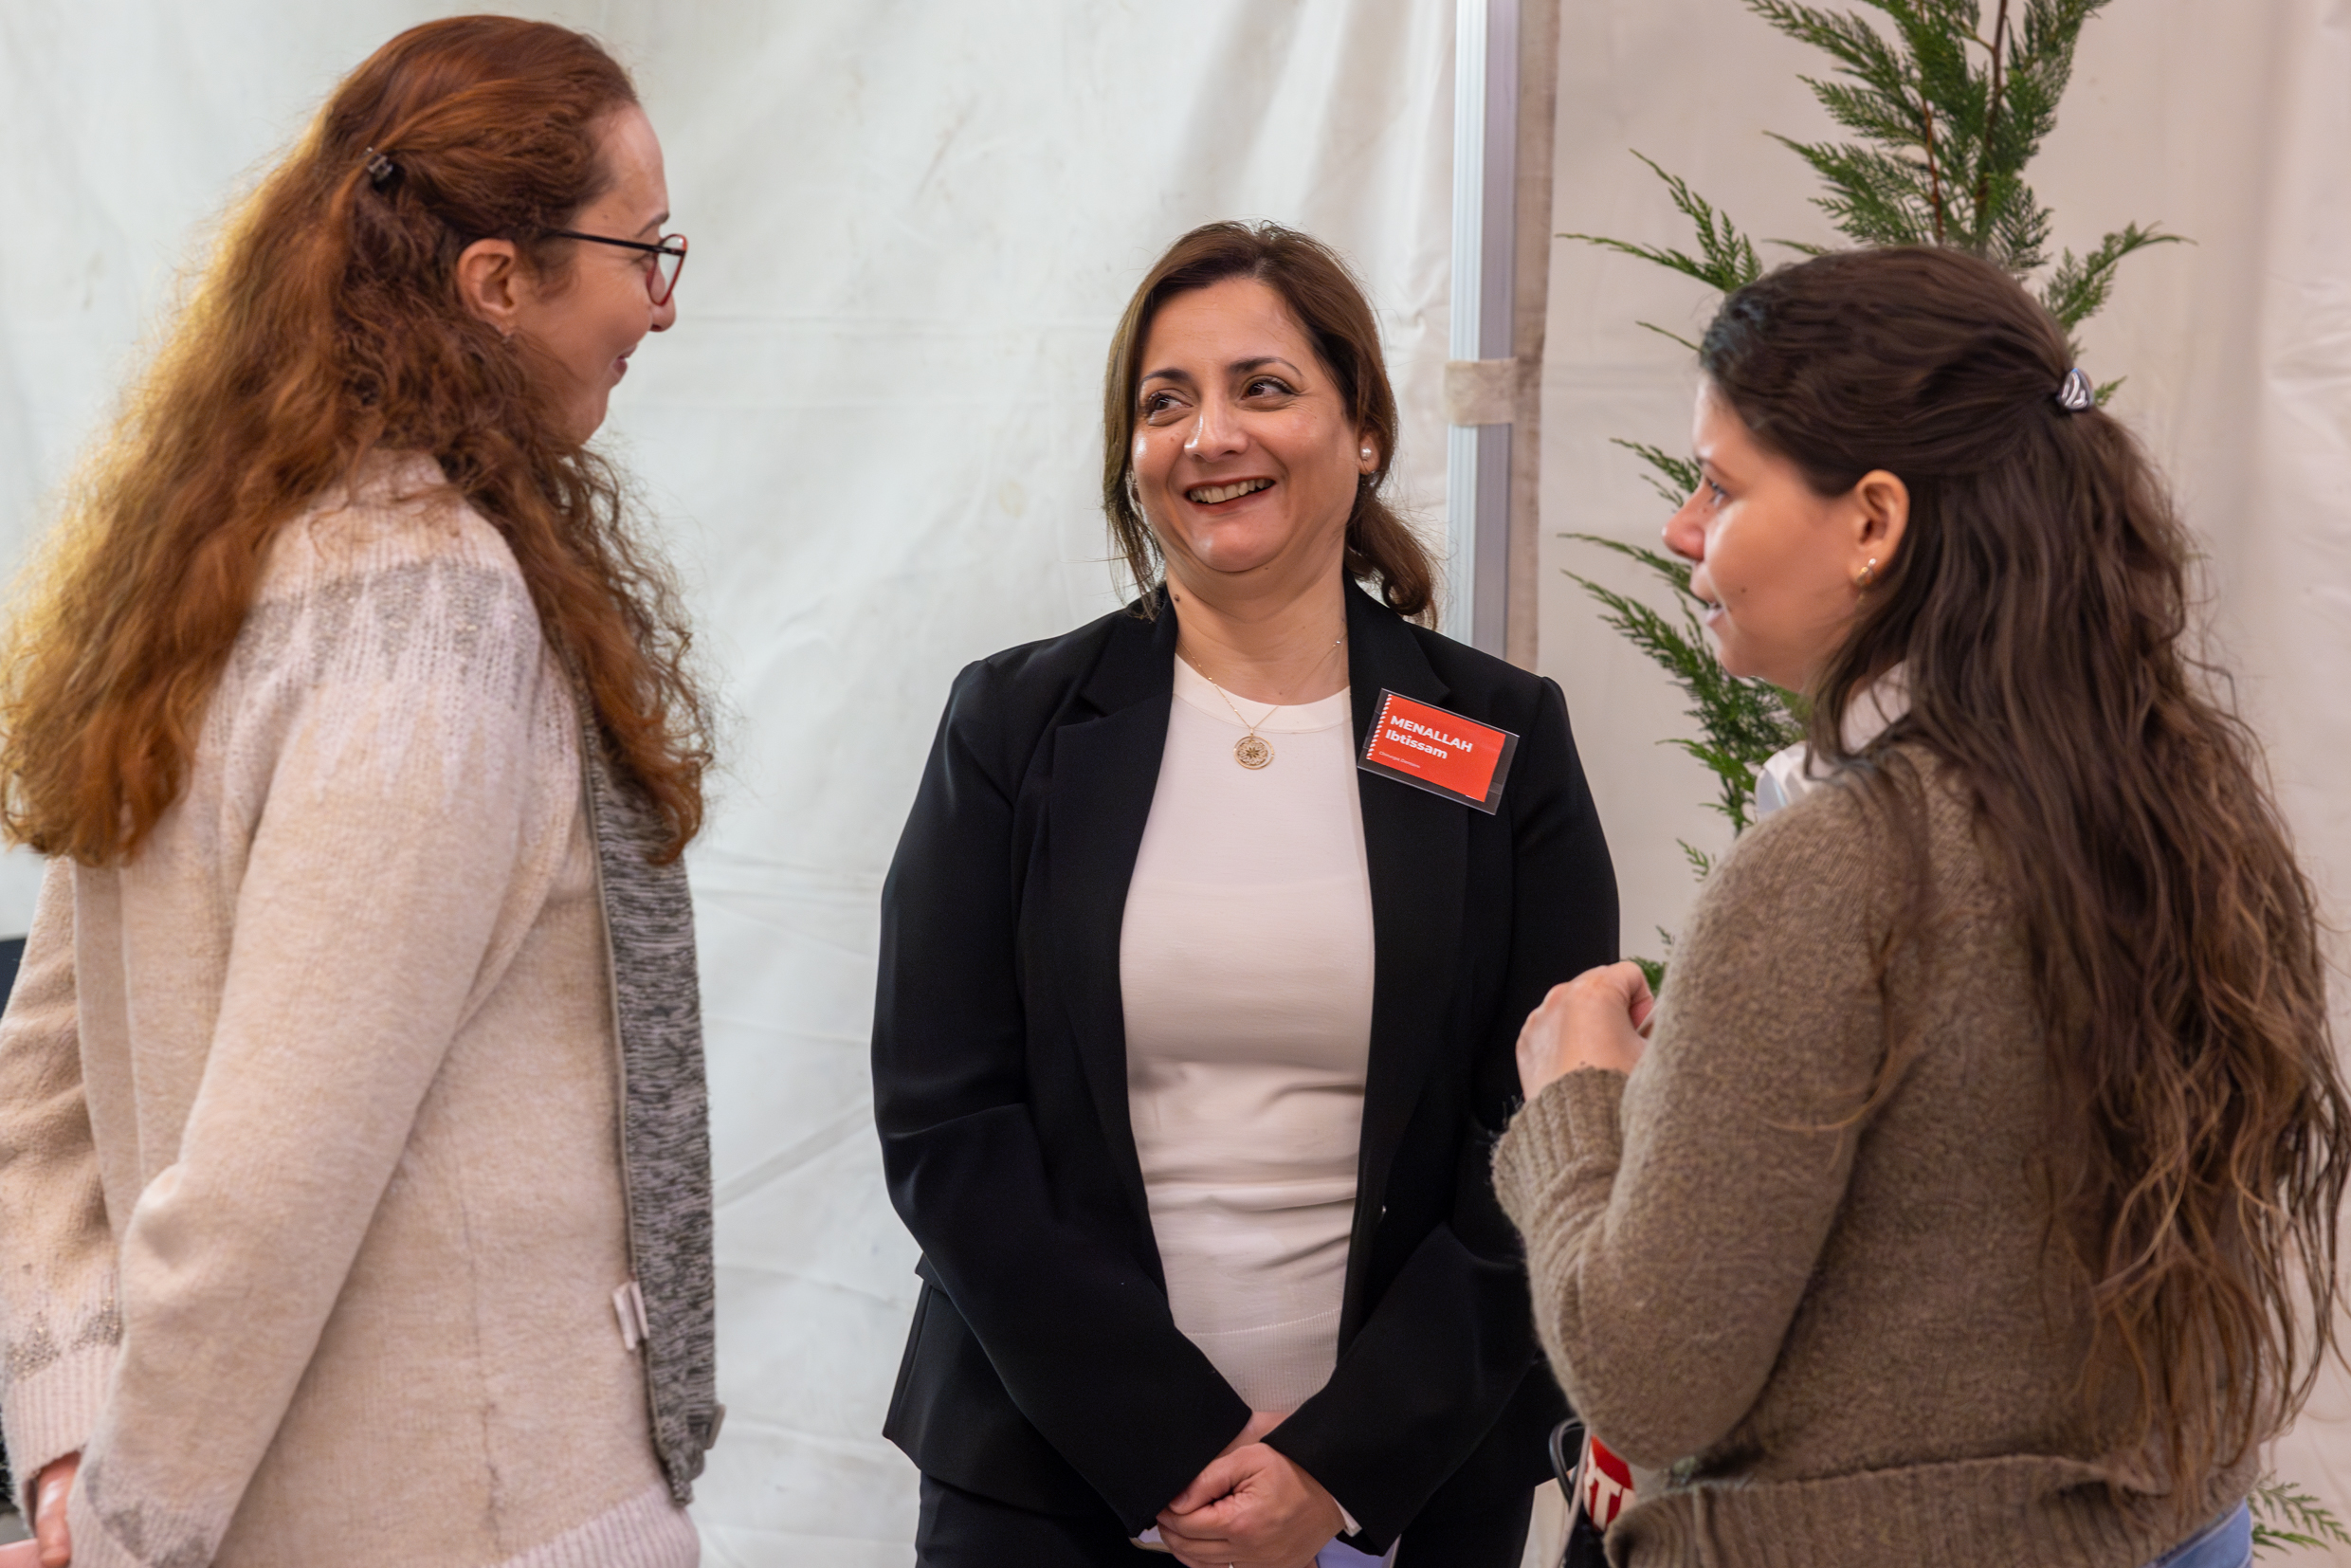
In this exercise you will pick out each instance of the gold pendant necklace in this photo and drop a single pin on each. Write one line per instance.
(1253, 751)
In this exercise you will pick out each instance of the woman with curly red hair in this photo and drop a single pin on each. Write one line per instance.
(353, 1171)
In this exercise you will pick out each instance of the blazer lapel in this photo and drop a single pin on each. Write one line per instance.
(1104, 772)
(1416, 847)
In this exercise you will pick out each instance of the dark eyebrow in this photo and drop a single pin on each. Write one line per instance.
(1239, 367)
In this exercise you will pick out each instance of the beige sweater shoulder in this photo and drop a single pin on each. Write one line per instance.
(311, 1215)
(1838, 1329)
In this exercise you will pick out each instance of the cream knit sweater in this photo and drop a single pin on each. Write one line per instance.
(1848, 1340)
(311, 1202)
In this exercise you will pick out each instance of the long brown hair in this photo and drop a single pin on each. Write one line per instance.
(1329, 304)
(328, 327)
(2039, 604)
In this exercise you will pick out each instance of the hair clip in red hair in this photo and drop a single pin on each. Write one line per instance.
(381, 170)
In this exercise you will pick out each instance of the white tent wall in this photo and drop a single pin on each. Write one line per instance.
(2226, 123)
(892, 425)
(872, 442)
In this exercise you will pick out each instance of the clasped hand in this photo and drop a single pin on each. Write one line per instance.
(1252, 1508)
(1599, 1020)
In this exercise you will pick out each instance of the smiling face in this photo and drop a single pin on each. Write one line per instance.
(1776, 561)
(1244, 457)
(586, 322)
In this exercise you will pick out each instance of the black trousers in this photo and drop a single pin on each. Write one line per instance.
(960, 1529)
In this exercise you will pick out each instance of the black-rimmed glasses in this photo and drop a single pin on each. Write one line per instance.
(664, 260)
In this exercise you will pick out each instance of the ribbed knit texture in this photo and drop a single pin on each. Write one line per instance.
(647, 1531)
(1842, 1334)
(646, 1528)
(311, 1207)
(666, 1117)
(48, 1410)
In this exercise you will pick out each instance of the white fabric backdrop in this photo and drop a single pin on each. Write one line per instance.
(872, 439)
(2226, 123)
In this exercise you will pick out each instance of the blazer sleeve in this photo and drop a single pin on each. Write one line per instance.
(1077, 1329)
(1452, 1338)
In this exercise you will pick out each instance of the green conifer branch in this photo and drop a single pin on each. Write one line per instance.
(1668, 332)
(1674, 477)
(1945, 136)
(2020, 241)
(2285, 1515)
(1891, 118)
(1725, 259)
(1860, 49)
(1875, 197)
(2078, 289)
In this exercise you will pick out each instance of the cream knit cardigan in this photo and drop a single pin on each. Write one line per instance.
(312, 1203)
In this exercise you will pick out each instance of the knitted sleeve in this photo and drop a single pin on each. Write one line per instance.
(1673, 1217)
(58, 1324)
(379, 724)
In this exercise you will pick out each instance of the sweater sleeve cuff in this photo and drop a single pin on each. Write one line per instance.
(1572, 1120)
(52, 1412)
(162, 1538)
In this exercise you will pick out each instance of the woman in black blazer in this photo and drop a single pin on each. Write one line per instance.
(1053, 1405)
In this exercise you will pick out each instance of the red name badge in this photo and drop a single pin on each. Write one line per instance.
(1439, 751)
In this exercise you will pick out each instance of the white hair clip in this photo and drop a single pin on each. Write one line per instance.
(380, 169)
(2075, 393)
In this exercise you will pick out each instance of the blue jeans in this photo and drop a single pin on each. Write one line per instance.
(2227, 1542)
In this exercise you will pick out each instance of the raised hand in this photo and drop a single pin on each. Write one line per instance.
(1598, 1019)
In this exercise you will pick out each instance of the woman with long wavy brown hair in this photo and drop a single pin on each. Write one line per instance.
(354, 1176)
(1975, 1200)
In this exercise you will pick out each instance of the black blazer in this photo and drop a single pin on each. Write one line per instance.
(1044, 1368)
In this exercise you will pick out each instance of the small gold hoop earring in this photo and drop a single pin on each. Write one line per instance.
(1868, 574)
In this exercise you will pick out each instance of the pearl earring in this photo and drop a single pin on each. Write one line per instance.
(1868, 574)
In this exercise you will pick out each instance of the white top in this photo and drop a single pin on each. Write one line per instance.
(1245, 962)
(1792, 772)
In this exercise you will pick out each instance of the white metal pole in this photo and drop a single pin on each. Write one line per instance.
(1477, 481)
(1461, 441)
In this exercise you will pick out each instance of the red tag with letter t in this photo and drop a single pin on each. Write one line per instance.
(1442, 753)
